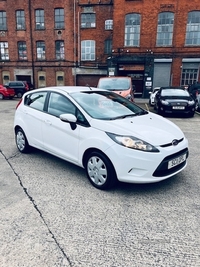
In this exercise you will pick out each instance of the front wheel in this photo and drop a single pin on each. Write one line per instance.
(100, 170)
(21, 141)
(1, 96)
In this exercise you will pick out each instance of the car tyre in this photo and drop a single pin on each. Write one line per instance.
(100, 170)
(196, 106)
(19, 94)
(21, 141)
(1, 96)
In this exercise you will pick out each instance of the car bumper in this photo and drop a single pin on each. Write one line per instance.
(171, 110)
(135, 166)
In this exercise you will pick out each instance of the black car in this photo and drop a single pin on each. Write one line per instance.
(19, 87)
(174, 100)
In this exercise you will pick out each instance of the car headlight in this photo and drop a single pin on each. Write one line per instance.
(132, 142)
(164, 102)
(128, 97)
(191, 102)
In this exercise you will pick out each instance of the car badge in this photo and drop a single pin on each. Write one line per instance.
(175, 142)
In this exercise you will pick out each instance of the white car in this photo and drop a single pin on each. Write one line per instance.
(103, 132)
(152, 96)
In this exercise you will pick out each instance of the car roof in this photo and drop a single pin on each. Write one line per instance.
(172, 87)
(67, 89)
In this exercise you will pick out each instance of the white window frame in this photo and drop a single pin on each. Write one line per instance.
(109, 24)
(88, 50)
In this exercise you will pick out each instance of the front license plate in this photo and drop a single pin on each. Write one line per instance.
(178, 107)
(176, 161)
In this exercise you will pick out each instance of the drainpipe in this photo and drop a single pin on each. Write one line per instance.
(31, 39)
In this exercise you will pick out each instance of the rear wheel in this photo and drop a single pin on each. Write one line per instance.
(21, 141)
(197, 106)
(1, 96)
(19, 94)
(100, 170)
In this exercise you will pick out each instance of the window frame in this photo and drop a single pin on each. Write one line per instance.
(4, 51)
(41, 45)
(108, 46)
(89, 19)
(109, 24)
(192, 35)
(3, 20)
(59, 19)
(22, 55)
(168, 29)
(88, 48)
(20, 20)
(60, 55)
(39, 19)
(132, 30)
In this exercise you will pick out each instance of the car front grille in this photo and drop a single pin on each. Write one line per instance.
(163, 170)
(170, 144)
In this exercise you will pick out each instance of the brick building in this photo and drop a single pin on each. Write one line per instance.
(156, 43)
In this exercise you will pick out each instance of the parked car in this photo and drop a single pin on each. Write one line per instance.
(197, 100)
(6, 92)
(193, 89)
(19, 87)
(29, 85)
(152, 96)
(174, 100)
(101, 131)
(120, 85)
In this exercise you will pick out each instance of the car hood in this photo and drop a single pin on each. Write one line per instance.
(123, 93)
(151, 128)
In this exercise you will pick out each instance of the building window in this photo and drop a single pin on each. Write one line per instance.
(108, 46)
(3, 22)
(88, 50)
(132, 30)
(20, 20)
(4, 55)
(59, 18)
(22, 51)
(189, 76)
(88, 20)
(39, 19)
(60, 51)
(109, 24)
(165, 29)
(40, 50)
(193, 28)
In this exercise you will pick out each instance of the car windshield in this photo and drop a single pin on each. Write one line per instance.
(106, 105)
(174, 92)
(113, 84)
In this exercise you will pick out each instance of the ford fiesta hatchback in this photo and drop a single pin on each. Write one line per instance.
(102, 132)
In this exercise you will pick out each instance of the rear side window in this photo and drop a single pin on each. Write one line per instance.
(36, 100)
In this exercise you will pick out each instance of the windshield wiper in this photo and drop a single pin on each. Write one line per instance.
(143, 112)
(123, 116)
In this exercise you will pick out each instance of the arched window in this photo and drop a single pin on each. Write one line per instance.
(132, 30)
(193, 28)
(165, 29)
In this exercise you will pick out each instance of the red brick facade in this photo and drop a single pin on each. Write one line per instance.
(145, 63)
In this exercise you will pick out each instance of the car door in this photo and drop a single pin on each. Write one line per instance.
(59, 137)
(33, 117)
